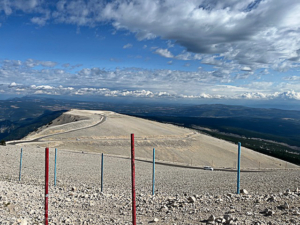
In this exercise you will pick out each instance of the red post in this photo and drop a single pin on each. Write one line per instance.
(46, 184)
(133, 181)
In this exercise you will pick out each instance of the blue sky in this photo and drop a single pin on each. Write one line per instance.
(181, 50)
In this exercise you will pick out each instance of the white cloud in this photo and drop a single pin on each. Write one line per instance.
(211, 61)
(39, 21)
(25, 5)
(42, 87)
(252, 33)
(66, 65)
(34, 63)
(184, 56)
(13, 63)
(164, 52)
(260, 85)
(289, 95)
(265, 34)
(170, 44)
(13, 84)
(292, 78)
(246, 68)
(47, 63)
(127, 46)
(138, 82)
(143, 93)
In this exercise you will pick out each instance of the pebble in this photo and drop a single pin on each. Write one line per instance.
(77, 198)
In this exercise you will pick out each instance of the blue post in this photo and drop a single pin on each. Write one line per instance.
(55, 167)
(153, 173)
(239, 167)
(102, 173)
(20, 172)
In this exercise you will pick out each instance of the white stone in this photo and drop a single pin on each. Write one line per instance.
(23, 222)
(192, 199)
(244, 191)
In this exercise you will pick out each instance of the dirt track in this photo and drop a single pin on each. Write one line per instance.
(173, 144)
(182, 195)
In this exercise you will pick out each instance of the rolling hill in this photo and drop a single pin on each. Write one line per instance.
(109, 132)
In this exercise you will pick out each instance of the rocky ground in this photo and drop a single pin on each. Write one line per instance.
(109, 132)
(182, 195)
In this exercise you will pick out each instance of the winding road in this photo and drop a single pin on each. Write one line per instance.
(102, 120)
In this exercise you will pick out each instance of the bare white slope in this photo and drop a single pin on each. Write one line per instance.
(109, 132)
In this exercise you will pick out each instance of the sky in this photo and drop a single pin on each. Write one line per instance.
(168, 50)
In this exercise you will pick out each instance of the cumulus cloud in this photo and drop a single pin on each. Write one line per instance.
(66, 65)
(292, 78)
(260, 85)
(27, 78)
(12, 63)
(164, 52)
(8, 7)
(33, 63)
(13, 84)
(289, 95)
(170, 44)
(186, 56)
(127, 46)
(246, 68)
(262, 34)
(39, 21)
(158, 79)
(106, 92)
(253, 33)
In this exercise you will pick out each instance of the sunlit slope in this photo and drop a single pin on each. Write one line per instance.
(109, 132)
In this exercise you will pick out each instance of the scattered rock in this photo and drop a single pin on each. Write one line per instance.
(249, 213)
(155, 220)
(244, 191)
(268, 212)
(271, 199)
(191, 199)
(284, 206)
(77, 199)
(287, 192)
(23, 222)
(211, 218)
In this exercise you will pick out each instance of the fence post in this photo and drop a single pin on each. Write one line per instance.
(153, 173)
(133, 181)
(46, 184)
(239, 168)
(20, 170)
(55, 167)
(102, 172)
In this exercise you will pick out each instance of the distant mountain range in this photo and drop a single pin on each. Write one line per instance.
(266, 130)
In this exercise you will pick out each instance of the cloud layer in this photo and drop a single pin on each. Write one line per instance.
(47, 77)
(254, 33)
(239, 41)
(22, 90)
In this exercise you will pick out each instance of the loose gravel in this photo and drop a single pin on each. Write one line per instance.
(182, 195)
